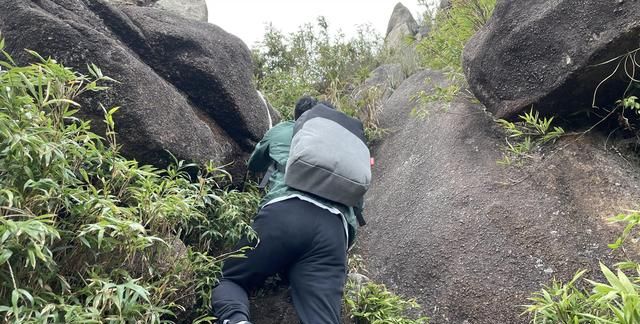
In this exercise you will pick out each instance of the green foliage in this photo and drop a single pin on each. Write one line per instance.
(529, 133)
(372, 303)
(559, 303)
(616, 300)
(629, 121)
(87, 236)
(632, 219)
(629, 103)
(452, 28)
(313, 62)
(425, 99)
(442, 48)
(367, 109)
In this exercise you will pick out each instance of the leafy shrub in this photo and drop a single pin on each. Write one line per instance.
(372, 303)
(367, 109)
(452, 28)
(617, 300)
(442, 47)
(84, 232)
(530, 132)
(629, 113)
(314, 62)
(559, 303)
(423, 99)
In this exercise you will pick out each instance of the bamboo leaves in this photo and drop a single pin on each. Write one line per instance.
(76, 216)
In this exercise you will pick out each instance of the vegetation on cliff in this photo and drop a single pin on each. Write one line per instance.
(616, 299)
(87, 236)
(312, 61)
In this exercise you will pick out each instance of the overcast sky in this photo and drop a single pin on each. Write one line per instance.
(247, 18)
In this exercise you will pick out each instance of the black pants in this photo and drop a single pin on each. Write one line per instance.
(304, 242)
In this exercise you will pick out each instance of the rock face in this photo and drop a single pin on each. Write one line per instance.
(213, 72)
(184, 86)
(469, 238)
(401, 16)
(547, 53)
(191, 9)
(401, 24)
(423, 31)
(396, 38)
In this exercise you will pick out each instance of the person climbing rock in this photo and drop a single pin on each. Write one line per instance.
(302, 236)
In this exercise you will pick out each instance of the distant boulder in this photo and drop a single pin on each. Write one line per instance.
(383, 80)
(401, 25)
(548, 54)
(423, 31)
(402, 16)
(184, 86)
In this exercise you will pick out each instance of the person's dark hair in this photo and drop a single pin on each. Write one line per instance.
(305, 103)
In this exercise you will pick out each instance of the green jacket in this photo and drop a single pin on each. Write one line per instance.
(275, 146)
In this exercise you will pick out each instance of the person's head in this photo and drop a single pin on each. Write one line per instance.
(305, 103)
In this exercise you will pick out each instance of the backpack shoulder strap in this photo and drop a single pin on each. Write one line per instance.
(358, 212)
(267, 175)
(273, 167)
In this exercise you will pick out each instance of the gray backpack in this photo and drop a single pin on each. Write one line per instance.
(329, 156)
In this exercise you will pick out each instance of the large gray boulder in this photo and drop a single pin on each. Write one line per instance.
(469, 238)
(401, 16)
(184, 86)
(401, 25)
(211, 67)
(399, 41)
(396, 39)
(547, 53)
